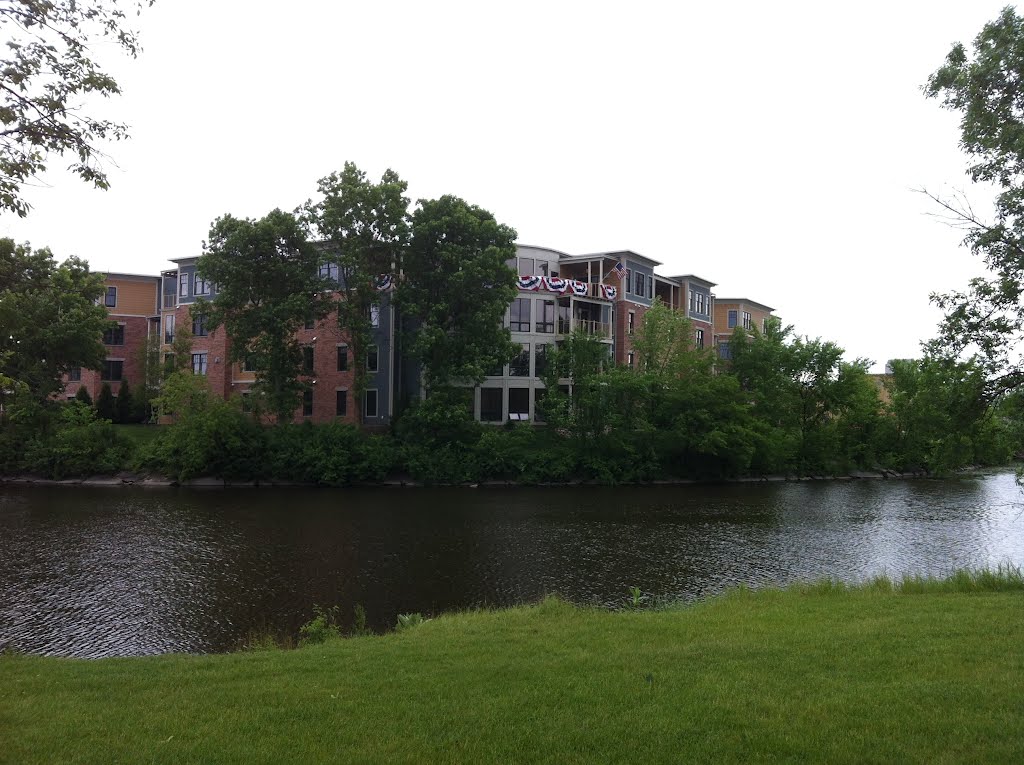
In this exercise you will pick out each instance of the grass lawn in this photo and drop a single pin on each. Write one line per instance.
(137, 435)
(819, 674)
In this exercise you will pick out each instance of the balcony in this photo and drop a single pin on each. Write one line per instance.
(170, 300)
(598, 329)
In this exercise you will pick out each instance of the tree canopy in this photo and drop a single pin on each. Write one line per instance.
(984, 86)
(48, 71)
(50, 317)
(268, 286)
(455, 289)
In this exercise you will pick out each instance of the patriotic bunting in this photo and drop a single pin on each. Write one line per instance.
(383, 282)
(562, 286)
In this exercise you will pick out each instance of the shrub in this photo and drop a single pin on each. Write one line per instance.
(106, 407)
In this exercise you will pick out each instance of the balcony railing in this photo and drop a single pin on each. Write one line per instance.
(170, 301)
(596, 328)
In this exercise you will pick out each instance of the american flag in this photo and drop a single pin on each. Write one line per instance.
(619, 270)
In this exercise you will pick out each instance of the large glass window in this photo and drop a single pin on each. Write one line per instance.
(519, 403)
(724, 351)
(114, 335)
(202, 286)
(540, 364)
(183, 285)
(374, 315)
(110, 299)
(491, 404)
(545, 316)
(199, 326)
(112, 371)
(699, 339)
(342, 358)
(520, 315)
(307, 403)
(372, 359)
(169, 328)
(307, 360)
(747, 324)
(199, 363)
(341, 403)
(329, 271)
(732, 319)
(520, 365)
(370, 403)
(641, 280)
(75, 374)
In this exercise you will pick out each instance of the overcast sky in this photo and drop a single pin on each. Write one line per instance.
(772, 148)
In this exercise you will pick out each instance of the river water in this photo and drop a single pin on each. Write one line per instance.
(95, 572)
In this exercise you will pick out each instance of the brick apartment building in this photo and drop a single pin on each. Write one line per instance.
(604, 294)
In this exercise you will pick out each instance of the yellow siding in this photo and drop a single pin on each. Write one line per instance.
(134, 298)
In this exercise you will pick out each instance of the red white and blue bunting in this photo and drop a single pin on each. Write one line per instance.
(383, 282)
(563, 286)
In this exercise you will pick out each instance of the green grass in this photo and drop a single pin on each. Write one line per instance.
(137, 435)
(912, 671)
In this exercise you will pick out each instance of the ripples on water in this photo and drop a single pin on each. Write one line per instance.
(99, 572)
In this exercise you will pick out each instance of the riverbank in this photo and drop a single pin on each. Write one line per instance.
(932, 672)
(210, 482)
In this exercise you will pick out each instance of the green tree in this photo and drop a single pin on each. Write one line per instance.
(455, 290)
(984, 86)
(664, 343)
(364, 229)
(268, 285)
(50, 318)
(106, 407)
(82, 394)
(125, 404)
(48, 72)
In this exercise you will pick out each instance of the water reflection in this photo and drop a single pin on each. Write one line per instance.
(99, 572)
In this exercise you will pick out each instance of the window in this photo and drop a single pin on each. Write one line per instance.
(491, 404)
(527, 266)
(112, 371)
(199, 326)
(329, 271)
(370, 403)
(747, 324)
(630, 322)
(520, 315)
(110, 300)
(540, 364)
(629, 359)
(371, 359)
(202, 286)
(307, 360)
(732, 319)
(374, 315)
(114, 335)
(699, 339)
(698, 303)
(545, 316)
(629, 280)
(309, 323)
(764, 325)
(183, 285)
(724, 352)
(199, 363)
(519, 403)
(75, 374)
(520, 365)
(341, 403)
(307, 403)
(650, 286)
(169, 328)
(249, 363)
(641, 280)
(342, 358)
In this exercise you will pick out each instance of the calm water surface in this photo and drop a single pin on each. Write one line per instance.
(99, 572)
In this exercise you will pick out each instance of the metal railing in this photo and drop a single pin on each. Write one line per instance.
(170, 301)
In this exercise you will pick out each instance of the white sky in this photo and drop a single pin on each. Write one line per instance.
(772, 148)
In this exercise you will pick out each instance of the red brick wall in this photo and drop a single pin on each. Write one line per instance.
(623, 341)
